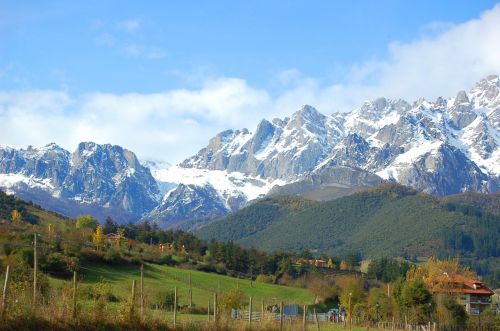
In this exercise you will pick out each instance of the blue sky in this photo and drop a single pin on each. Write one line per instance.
(168, 69)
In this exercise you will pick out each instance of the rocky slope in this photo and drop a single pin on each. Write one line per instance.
(99, 179)
(442, 147)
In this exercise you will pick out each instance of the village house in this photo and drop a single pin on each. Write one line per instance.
(473, 294)
(316, 263)
(114, 238)
(170, 246)
(165, 247)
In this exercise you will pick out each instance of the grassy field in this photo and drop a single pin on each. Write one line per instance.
(161, 278)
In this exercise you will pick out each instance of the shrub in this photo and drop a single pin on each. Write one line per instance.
(113, 255)
(164, 299)
(268, 279)
(54, 262)
(100, 292)
(230, 300)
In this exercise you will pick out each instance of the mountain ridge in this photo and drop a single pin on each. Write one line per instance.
(443, 147)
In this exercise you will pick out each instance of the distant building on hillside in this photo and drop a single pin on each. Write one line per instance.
(165, 247)
(473, 294)
(171, 246)
(317, 263)
(114, 238)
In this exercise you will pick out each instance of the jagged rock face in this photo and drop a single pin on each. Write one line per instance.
(417, 145)
(446, 170)
(442, 147)
(461, 113)
(279, 149)
(49, 162)
(103, 176)
(188, 202)
(329, 182)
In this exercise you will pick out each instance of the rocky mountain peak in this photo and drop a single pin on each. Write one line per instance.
(487, 92)
(461, 98)
(306, 115)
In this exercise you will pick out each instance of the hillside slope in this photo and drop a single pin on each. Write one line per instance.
(489, 203)
(388, 220)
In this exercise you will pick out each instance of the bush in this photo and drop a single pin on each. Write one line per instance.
(457, 313)
(268, 279)
(55, 263)
(230, 300)
(113, 255)
(164, 300)
(101, 291)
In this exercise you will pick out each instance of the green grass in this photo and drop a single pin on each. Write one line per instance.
(160, 278)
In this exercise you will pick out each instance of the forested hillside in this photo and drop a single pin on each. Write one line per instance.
(390, 220)
(489, 203)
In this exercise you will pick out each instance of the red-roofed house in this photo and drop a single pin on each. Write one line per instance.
(473, 294)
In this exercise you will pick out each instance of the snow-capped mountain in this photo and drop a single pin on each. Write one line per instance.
(99, 179)
(441, 147)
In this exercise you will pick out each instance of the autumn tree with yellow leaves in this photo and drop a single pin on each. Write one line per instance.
(435, 273)
(15, 216)
(98, 237)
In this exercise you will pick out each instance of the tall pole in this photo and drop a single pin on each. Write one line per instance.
(142, 292)
(316, 318)
(133, 298)
(175, 307)
(281, 315)
(250, 314)
(350, 311)
(190, 292)
(4, 292)
(34, 272)
(208, 310)
(215, 307)
(74, 294)
(304, 312)
(262, 311)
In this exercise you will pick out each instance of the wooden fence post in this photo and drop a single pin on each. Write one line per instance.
(208, 310)
(250, 313)
(215, 307)
(281, 316)
(74, 296)
(4, 292)
(262, 311)
(175, 307)
(304, 318)
(190, 303)
(34, 272)
(133, 299)
(316, 318)
(142, 292)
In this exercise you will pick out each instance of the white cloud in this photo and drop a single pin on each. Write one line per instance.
(439, 64)
(174, 124)
(168, 125)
